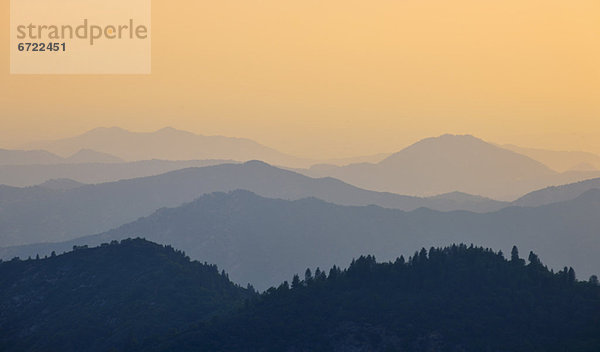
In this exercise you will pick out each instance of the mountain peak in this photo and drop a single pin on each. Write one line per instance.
(173, 131)
(452, 147)
(102, 130)
(445, 164)
(257, 163)
(451, 139)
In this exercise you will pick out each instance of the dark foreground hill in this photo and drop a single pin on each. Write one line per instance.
(451, 299)
(264, 241)
(107, 298)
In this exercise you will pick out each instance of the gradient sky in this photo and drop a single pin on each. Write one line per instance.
(338, 77)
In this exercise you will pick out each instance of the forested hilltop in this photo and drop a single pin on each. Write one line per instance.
(457, 298)
(135, 295)
(107, 298)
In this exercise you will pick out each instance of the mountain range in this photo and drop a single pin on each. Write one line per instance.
(92, 173)
(560, 161)
(42, 214)
(555, 194)
(42, 157)
(430, 167)
(168, 144)
(452, 163)
(263, 241)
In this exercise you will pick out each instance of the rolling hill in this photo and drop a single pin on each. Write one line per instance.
(25, 157)
(264, 241)
(456, 298)
(107, 298)
(139, 296)
(38, 214)
(557, 193)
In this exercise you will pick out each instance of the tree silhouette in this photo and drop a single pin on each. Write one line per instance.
(296, 281)
(514, 254)
(534, 260)
(307, 275)
(571, 275)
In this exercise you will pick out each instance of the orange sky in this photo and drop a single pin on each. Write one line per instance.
(338, 77)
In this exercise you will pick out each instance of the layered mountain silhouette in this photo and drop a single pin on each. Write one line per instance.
(108, 298)
(24, 157)
(43, 214)
(90, 173)
(265, 241)
(452, 163)
(168, 144)
(138, 296)
(61, 184)
(560, 160)
(92, 156)
(557, 193)
(374, 158)
(432, 166)
(42, 157)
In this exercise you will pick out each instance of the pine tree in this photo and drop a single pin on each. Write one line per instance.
(571, 275)
(307, 275)
(514, 255)
(296, 281)
(534, 259)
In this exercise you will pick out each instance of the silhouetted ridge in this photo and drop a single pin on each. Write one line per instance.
(449, 163)
(31, 217)
(263, 241)
(107, 298)
(446, 141)
(168, 144)
(457, 298)
(557, 193)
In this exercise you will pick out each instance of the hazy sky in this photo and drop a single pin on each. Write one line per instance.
(339, 77)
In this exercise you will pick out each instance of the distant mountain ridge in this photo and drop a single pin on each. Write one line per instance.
(452, 163)
(61, 184)
(560, 161)
(264, 241)
(42, 157)
(557, 193)
(92, 173)
(92, 156)
(35, 214)
(24, 157)
(168, 144)
(432, 166)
